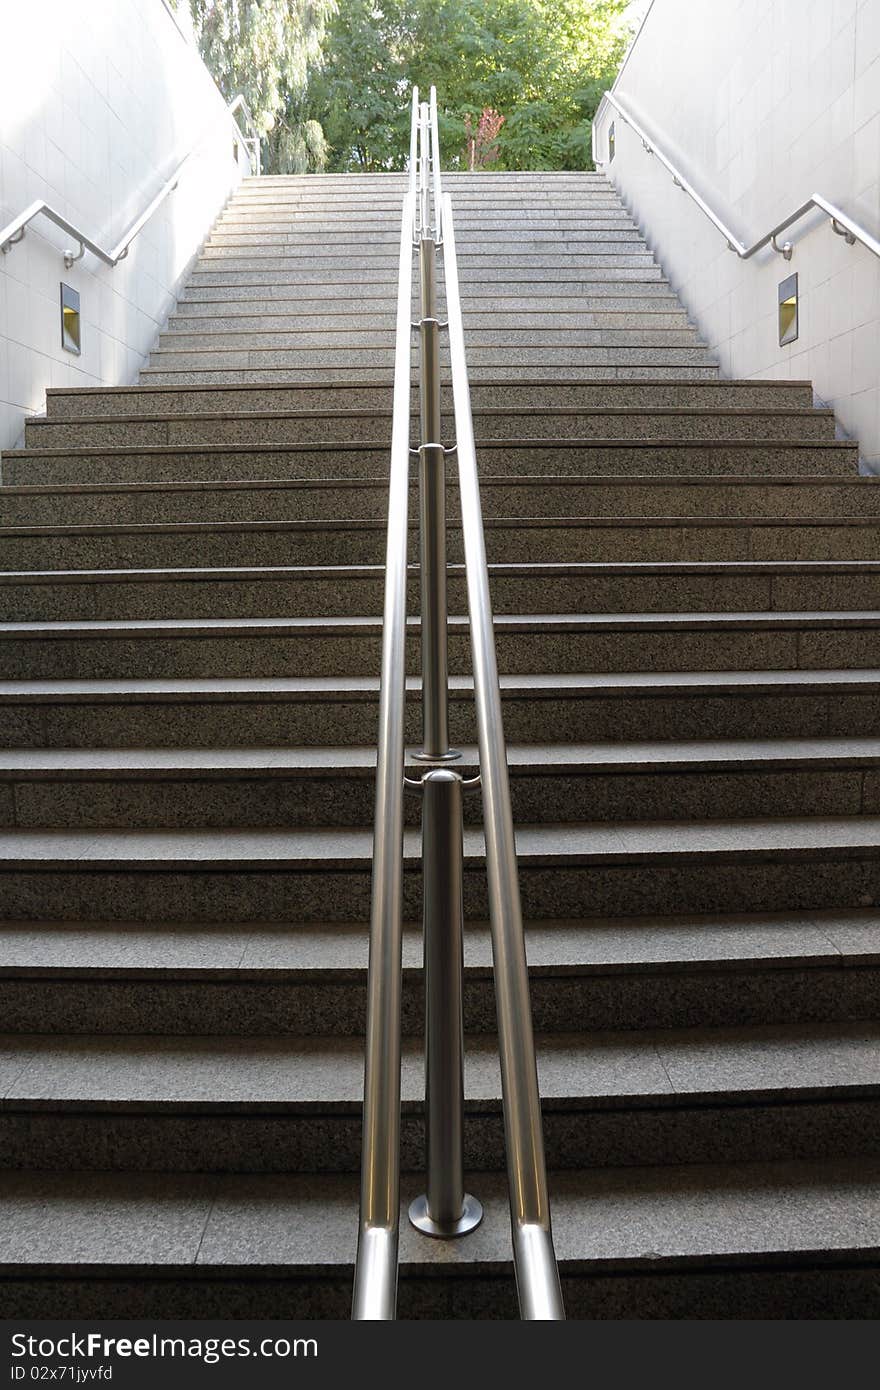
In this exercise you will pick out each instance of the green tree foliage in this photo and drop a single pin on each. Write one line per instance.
(266, 49)
(539, 65)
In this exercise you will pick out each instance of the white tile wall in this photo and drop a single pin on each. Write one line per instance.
(763, 102)
(99, 102)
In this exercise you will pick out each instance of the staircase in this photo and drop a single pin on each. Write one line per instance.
(688, 607)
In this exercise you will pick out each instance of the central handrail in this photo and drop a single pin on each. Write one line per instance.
(13, 232)
(841, 222)
(446, 1211)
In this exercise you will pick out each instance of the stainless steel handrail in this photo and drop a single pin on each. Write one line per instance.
(841, 222)
(445, 1210)
(15, 230)
(537, 1275)
(375, 1284)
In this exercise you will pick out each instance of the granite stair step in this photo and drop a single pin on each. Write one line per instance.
(672, 461)
(315, 710)
(785, 1239)
(544, 496)
(291, 978)
(362, 542)
(320, 875)
(331, 785)
(481, 334)
(502, 422)
(525, 644)
(73, 403)
(291, 1104)
(328, 590)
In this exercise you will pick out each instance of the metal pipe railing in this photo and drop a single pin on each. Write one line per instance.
(537, 1276)
(13, 232)
(375, 1286)
(445, 1209)
(841, 222)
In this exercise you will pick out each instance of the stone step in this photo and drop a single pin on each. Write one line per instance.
(532, 645)
(366, 222)
(509, 541)
(72, 403)
(379, 355)
(493, 238)
(581, 278)
(339, 498)
(334, 297)
(253, 979)
(294, 318)
(666, 461)
(322, 591)
(381, 377)
(500, 263)
(324, 875)
(482, 335)
(316, 710)
(784, 1239)
(503, 422)
(510, 311)
(286, 1104)
(261, 788)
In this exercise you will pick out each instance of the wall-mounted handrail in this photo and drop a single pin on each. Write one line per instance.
(15, 230)
(445, 1210)
(841, 222)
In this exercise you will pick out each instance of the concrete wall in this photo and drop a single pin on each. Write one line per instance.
(99, 101)
(761, 103)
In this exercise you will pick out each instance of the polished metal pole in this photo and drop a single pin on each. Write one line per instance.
(445, 1209)
(432, 493)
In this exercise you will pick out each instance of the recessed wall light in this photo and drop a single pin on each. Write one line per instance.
(70, 325)
(788, 309)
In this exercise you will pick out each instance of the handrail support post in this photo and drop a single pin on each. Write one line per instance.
(445, 1209)
(432, 519)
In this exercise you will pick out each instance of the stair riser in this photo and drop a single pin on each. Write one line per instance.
(229, 722)
(310, 274)
(300, 801)
(385, 262)
(479, 335)
(536, 425)
(807, 1289)
(175, 463)
(298, 597)
(229, 400)
(353, 545)
(379, 355)
(326, 1006)
(477, 237)
(268, 228)
(319, 502)
(627, 291)
(701, 884)
(478, 319)
(579, 1138)
(382, 377)
(654, 309)
(139, 656)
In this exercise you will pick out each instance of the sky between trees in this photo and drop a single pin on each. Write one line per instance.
(518, 81)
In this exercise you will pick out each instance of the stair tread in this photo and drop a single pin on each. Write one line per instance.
(551, 684)
(511, 622)
(326, 1073)
(526, 569)
(353, 759)
(602, 1219)
(184, 850)
(302, 950)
